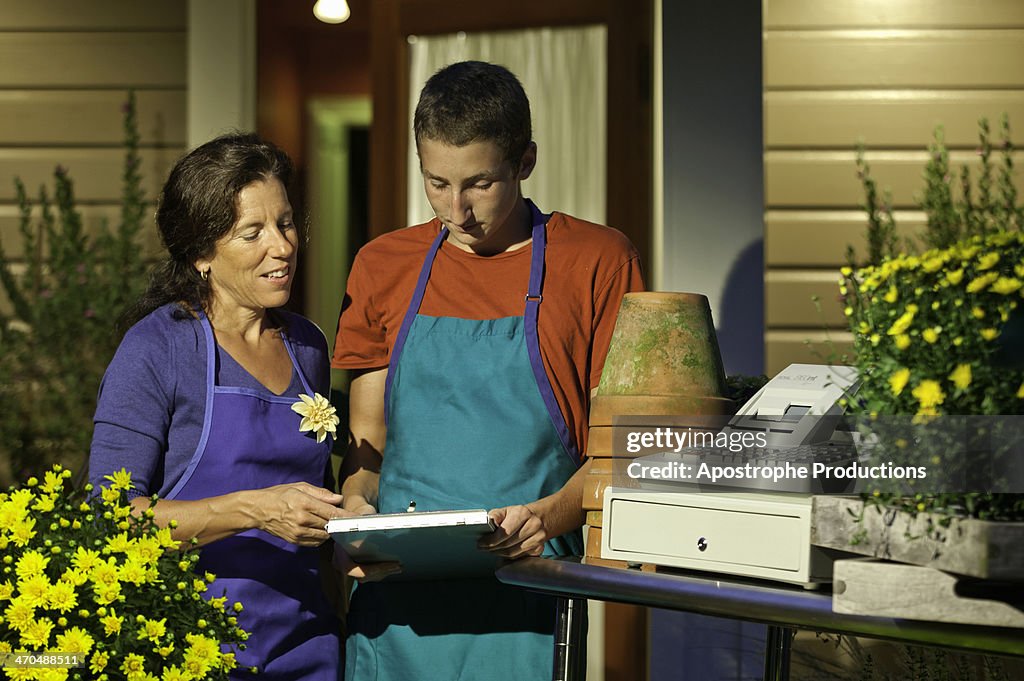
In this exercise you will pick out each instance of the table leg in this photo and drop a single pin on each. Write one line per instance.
(777, 646)
(570, 656)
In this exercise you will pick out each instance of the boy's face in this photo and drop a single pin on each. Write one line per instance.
(474, 191)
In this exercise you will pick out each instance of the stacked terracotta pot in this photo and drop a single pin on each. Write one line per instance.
(663, 363)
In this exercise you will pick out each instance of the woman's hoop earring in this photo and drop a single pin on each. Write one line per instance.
(204, 275)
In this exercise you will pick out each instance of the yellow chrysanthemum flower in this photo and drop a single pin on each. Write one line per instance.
(6, 590)
(930, 335)
(1006, 285)
(31, 563)
(112, 624)
(175, 673)
(891, 295)
(902, 341)
(954, 277)
(44, 504)
(961, 376)
(904, 321)
(981, 283)
(62, 596)
(19, 614)
(119, 543)
(989, 333)
(35, 590)
(37, 633)
(76, 640)
(898, 380)
(988, 261)
(318, 415)
(86, 559)
(153, 630)
(121, 479)
(929, 394)
(133, 664)
(98, 662)
(22, 531)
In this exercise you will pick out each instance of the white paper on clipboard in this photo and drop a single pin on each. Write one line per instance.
(428, 544)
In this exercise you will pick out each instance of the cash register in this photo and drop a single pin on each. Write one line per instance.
(756, 527)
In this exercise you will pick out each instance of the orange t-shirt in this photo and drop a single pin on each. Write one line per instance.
(588, 268)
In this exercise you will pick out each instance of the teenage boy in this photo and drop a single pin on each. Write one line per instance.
(476, 340)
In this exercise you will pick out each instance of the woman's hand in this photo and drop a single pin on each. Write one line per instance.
(297, 512)
(521, 532)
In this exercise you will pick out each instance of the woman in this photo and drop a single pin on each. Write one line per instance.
(197, 403)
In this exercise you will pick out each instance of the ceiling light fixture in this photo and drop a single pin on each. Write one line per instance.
(331, 11)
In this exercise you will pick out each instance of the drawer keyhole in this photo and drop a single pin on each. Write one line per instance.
(702, 544)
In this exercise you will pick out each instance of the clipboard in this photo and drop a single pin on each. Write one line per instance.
(428, 544)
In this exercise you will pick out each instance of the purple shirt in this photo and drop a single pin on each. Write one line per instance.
(152, 401)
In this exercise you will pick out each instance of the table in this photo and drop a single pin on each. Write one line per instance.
(783, 607)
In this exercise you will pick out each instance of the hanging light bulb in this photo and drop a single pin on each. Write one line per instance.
(331, 11)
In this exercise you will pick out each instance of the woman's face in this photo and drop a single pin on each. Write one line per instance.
(253, 265)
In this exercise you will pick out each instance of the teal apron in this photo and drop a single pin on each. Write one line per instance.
(472, 423)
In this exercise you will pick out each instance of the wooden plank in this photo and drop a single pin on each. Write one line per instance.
(885, 13)
(967, 59)
(884, 118)
(790, 299)
(96, 173)
(977, 548)
(54, 117)
(64, 15)
(828, 179)
(863, 586)
(52, 60)
(784, 347)
(818, 238)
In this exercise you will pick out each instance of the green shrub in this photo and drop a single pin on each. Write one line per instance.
(62, 330)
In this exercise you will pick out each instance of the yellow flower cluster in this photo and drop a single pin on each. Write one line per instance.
(929, 328)
(83, 575)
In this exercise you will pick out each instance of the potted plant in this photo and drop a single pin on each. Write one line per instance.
(90, 591)
(937, 332)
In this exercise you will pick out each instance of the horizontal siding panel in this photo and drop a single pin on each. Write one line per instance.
(52, 117)
(892, 14)
(819, 179)
(783, 348)
(52, 60)
(820, 238)
(884, 118)
(894, 59)
(92, 219)
(95, 15)
(790, 299)
(96, 173)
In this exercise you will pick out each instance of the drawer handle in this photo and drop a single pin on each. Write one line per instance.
(702, 544)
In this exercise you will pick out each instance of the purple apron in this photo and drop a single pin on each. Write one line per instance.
(251, 440)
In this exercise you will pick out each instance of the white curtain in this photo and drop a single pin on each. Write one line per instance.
(564, 74)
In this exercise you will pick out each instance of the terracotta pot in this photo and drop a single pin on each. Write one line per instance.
(663, 344)
(604, 408)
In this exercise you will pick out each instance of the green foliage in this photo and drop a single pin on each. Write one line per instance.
(955, 208)
(61, 332)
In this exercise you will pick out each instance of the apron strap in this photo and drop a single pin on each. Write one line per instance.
(534, 297)
(410, 316)
(211, 364)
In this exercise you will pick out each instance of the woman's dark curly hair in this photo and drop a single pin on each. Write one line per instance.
(197, 206)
